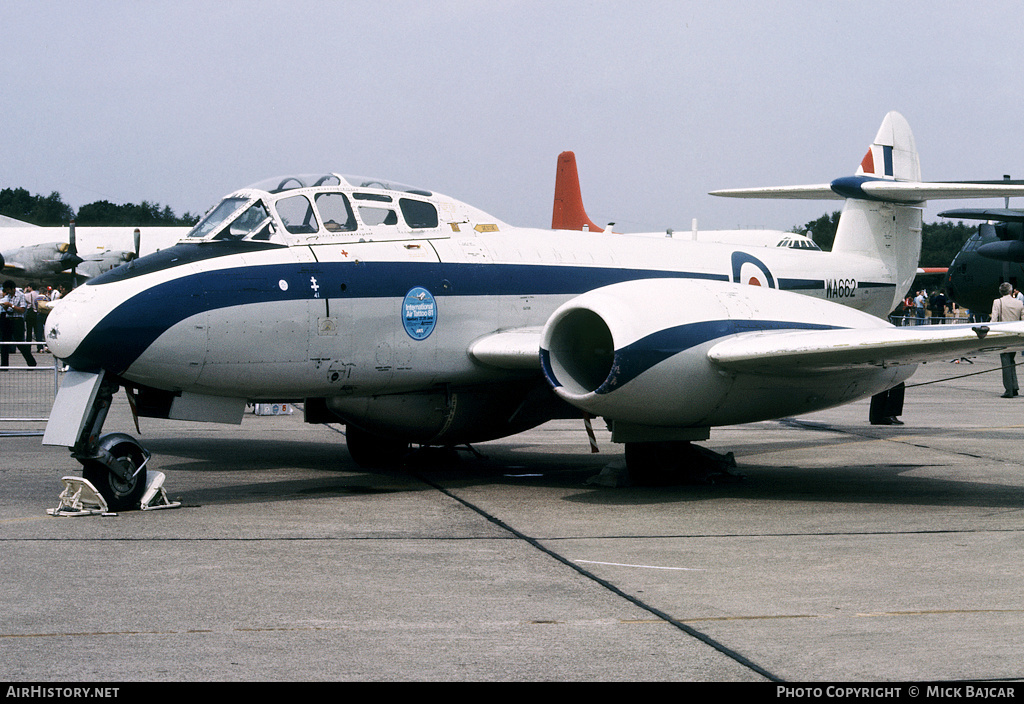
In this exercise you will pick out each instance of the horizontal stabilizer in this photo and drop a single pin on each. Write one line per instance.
(994, 214)
(832, 350)
(864, 188)
(518, 348)
(818, 192)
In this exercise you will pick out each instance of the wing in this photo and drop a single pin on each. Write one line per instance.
(830, 350)
(517, 348)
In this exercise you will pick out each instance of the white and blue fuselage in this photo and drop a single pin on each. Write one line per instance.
(390, 307)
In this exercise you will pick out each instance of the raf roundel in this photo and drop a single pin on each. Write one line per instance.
(419, 313)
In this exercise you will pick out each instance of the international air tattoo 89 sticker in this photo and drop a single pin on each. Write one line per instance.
(419, 313)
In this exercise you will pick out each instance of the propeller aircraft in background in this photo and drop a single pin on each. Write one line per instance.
(56, 255)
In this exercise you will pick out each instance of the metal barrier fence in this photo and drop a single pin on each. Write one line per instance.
(27, 393)
(901, 320)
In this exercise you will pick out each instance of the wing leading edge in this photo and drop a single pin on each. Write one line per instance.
(801, 352)
(797, 351)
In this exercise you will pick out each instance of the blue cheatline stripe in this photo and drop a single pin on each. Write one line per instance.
(125, 333)
(131, 327)
(637, 357)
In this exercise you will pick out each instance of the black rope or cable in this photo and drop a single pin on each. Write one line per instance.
(961, 376)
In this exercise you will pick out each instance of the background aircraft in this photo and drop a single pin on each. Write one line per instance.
(994, 254)
(414, 318)
(69, 255)
(568, 213)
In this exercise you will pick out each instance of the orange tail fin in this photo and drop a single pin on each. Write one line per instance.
(568, 213)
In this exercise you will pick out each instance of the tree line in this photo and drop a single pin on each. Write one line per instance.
(51, 210)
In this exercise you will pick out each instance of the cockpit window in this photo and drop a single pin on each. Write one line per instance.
(377, 216)
(279, 184)
(366, 182)
(216, 217)
(254, 223)
(418, 215)
(798, 243)
(335, 212)
(297, 215)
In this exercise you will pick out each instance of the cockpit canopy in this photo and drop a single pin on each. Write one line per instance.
(292, 209)
(798, 242)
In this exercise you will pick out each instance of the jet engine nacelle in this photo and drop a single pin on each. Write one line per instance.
(636, 352)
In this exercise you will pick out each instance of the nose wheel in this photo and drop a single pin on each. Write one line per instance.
(118, 471)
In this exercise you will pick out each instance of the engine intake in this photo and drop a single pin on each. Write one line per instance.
(582, 351)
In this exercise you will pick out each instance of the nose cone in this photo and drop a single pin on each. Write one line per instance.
(70, 325)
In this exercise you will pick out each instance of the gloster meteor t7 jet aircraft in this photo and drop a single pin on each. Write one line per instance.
(414, 318)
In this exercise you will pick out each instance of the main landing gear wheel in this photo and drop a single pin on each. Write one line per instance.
(678, 462)
(119, 473)
(374, 451)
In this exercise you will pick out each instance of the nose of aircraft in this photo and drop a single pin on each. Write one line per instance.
(70, 324)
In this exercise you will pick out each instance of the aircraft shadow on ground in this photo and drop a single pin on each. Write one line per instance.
(524, 466)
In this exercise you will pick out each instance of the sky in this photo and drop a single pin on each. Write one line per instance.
(181, 102)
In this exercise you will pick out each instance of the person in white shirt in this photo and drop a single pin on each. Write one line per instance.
(1004, 309)
(12, 323)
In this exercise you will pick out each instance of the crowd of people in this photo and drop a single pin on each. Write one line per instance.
(23, 314)
(924, 308)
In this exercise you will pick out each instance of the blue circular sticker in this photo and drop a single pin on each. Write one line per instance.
(419, 313)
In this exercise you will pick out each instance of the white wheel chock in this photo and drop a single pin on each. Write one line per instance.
(80, 498)
(155, 496)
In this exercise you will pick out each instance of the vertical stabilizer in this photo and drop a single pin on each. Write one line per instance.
(885, 231)
(893, 154)
(881, 219)
(568, 212)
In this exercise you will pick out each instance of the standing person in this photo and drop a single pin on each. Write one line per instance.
(937, 303)
(887, 406)
(31, 314)
(1004, 309)
(919, 302)
(12, 323)
(42, 310)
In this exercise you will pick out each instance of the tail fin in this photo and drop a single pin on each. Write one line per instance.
(885, 230)
(881, 217)
(568, 212)
(893, 154)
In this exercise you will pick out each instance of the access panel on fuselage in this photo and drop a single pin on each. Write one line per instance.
(259, 310)
(384, 305)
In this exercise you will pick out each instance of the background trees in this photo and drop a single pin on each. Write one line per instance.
(52, 211)
(940, 241)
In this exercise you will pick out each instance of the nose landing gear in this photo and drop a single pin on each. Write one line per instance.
(115, 463)
(118, 470)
